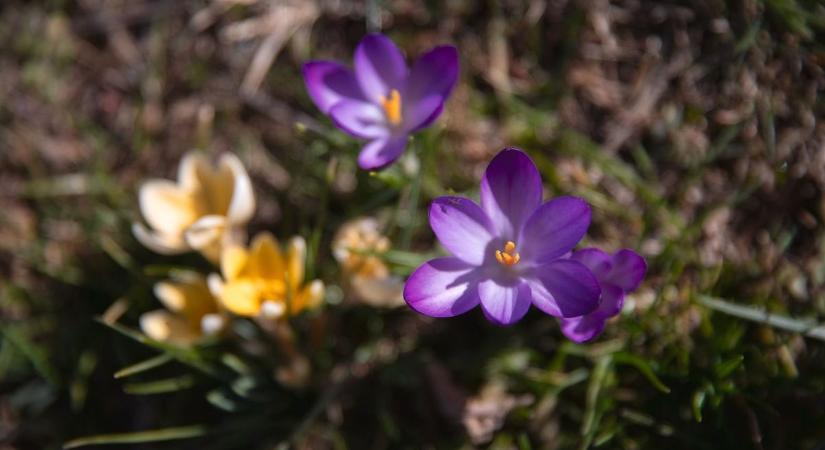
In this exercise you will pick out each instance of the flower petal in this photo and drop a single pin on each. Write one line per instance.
(554, 229)
(582, 329)
(564, 288)
(628, 270)
(585, 328)
(241, 298)
(166, 207)
(164, 326)
(462, 228)
(504, 304)
(379, 66)
(434, 72)
(159, 243)
(265, 255)
(599, 262)
(381, 152)
(360, 119)
(422, 113)
(328, 83)
(296, 251)
(442, 287)
(510, 191)
(242, 205)
(234, 262)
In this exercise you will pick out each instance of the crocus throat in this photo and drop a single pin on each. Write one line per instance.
(509, 256)
(392, 106)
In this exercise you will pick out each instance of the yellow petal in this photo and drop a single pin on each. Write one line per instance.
(234, 262)
(206, 235)
(216, 189)
(166, 208)
(295, 260)
(309, 297)
(187, 295)
(164, 326)
(241, 298)
(267, 261)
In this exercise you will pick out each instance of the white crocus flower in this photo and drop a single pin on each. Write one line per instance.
(207, 207)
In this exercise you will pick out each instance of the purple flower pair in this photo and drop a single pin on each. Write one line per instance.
(381, 100)
(513, 251)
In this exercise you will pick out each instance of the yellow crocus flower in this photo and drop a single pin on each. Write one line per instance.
(191, 311)
(205, 209)
(357, 247)
(264, 281)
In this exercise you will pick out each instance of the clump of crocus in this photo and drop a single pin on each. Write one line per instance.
(191, 312)
(358, 246)
(207, 207)
(618, 274)
(508, 253)
(264, 281)
(381, 100)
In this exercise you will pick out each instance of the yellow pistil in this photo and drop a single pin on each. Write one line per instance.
(509, 256)
(392, 106)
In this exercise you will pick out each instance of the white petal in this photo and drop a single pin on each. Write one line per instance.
(166, 207)
(242, 205)
(159, 243)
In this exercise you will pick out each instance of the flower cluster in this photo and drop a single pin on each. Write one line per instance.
(206, 211)
(508, 252)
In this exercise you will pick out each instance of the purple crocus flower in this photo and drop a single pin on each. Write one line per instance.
(381, 99)
(508, 253)
(618, 274)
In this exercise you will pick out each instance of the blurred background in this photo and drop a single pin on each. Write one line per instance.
(693, 129)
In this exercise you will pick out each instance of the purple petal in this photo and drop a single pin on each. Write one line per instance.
(596, 260)
(564, 288)
(422, 113)
(582, 329)
(433, 73)
(628, 270)
(587, 327)
(381, 152)
(360, 119)
(554, 229)
(442, 287)
(504, 304)
(329, 82)
(462, 228)
(510, 191)
(379, 66)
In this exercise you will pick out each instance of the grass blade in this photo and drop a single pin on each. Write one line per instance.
(760, 315)
(162, 434)
(143, 366)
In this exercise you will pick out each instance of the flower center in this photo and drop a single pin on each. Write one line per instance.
(392, 106)
(508, 256)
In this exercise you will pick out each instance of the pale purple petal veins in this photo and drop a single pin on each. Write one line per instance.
(442, 287)
(433, 73)
(504, 303)
(585, 328)
(628, 270)
(379, 66)
(382, 152)
(564, 288)
(360, 119)
(510, 191)
(554, 229)
(597, 261)
(330, 82)
(462, 228)
(422, 113)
